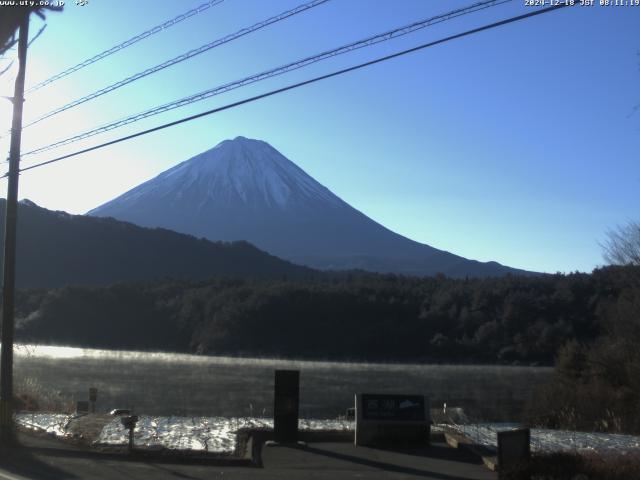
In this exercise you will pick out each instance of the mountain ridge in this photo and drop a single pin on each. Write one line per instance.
(56, 248)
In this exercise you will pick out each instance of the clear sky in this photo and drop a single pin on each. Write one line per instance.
(515, 145)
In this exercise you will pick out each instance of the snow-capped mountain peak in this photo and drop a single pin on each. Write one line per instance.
(245, 189)
(242, 169)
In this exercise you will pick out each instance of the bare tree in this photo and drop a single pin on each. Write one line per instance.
(10, 21)
(622, 246)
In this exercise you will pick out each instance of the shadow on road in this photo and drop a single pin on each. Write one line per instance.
(440, 452)
(389, 467)
(23, 462)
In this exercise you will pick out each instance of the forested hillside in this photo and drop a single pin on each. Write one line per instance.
(372, 317)
(56, 249)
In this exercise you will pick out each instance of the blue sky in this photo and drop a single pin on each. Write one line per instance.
(515, 145)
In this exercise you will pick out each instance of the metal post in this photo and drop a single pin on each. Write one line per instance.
(131, 438)
(93, 396)
(129, 423)
(9, 280)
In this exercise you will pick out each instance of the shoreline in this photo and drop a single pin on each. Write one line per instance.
(62, 352)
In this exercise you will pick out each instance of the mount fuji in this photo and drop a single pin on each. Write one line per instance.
(245, 189)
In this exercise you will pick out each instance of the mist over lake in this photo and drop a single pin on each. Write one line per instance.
(178, 384)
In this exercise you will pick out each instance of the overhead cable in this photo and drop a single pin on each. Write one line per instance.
(382, 37)
(180, 58)
(127, 43)
(300, 84)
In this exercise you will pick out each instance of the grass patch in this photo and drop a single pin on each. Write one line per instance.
(31, 396)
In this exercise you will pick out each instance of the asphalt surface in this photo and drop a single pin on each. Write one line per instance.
(42, 458)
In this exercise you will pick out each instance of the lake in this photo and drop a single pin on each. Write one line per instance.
(190, 385)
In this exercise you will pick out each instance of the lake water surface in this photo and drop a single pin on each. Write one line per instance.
(189, 385)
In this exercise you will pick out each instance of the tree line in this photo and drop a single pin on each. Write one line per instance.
(509, 320)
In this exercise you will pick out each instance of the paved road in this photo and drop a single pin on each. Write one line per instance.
(47, 459)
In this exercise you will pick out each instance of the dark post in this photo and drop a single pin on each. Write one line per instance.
(285, 406)
(129, 423)
(9, 279)
(93, 396)
(131, 438)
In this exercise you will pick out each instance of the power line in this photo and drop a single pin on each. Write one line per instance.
(382, 37)
(127, 43)
(181, 58)
(40, 32)
(301, 84)
(6, 69)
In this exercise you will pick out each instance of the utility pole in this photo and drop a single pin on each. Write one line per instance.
(9, 279)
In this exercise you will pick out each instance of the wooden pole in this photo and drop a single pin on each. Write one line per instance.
(9, 274)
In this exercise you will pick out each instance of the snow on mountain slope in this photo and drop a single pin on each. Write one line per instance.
(245, 189)
(248, 171)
